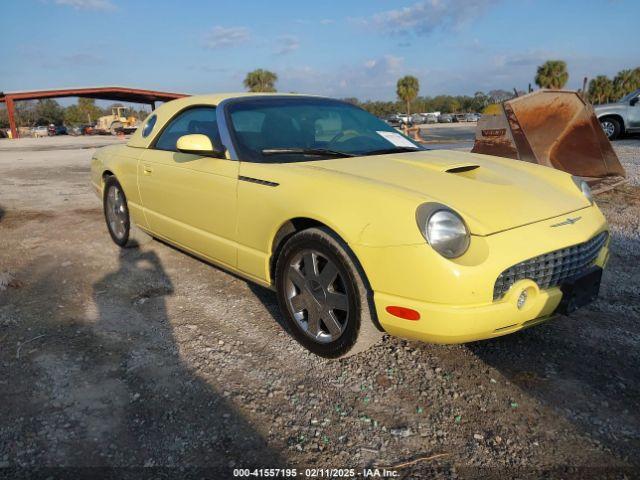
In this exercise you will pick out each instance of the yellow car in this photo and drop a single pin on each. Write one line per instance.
(357, 228)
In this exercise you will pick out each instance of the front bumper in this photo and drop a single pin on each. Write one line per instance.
(459, 324)
(456, 303)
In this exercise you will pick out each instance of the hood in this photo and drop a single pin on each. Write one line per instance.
(609, 106)
(492, 194)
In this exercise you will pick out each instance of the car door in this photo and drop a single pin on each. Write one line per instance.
(633, 113)
(190, 200)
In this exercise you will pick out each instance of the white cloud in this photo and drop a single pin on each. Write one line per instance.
(87, 4)
(372, 78)
(526, 59)
(223, 37)
(287, 44)
(385, 65)
(424, 17)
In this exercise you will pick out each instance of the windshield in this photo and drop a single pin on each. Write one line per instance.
(629, 96)
(299, 129)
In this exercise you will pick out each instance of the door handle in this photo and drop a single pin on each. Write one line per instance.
(148, 170)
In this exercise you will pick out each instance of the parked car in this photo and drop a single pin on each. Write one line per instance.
(57, 130)
(80, 130)
(40, 131)
(620, 117)
(471, 117)
(393, 120)
(417, 119)
(398, 120)
(445, 118)
(404, 118)
(430, 117)
(459, 117)
(357, 228)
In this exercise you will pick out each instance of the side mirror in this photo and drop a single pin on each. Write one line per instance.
(634, 101)
(197, 144)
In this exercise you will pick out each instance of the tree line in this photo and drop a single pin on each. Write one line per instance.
(31, 113)
(602, 89)
(552, 74)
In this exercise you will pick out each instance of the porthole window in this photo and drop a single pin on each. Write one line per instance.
(148, 127)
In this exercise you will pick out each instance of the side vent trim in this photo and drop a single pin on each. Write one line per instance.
(266, 183)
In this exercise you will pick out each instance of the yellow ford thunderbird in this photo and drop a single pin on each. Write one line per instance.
(357, 228)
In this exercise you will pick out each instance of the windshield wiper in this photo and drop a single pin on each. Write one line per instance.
(305, 151)
(393, 150)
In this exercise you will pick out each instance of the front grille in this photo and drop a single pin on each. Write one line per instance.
(553, 268)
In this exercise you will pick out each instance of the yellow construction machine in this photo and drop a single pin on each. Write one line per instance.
(118, 122)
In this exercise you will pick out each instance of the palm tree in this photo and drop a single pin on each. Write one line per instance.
(600, 89)
(636, 77)
(407, 90)
(552, 74)
(624, 82)
(260, 81)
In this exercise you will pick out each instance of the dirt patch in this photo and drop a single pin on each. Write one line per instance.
(17, 218)
(60, 173)
(93, 213)
(626, 196)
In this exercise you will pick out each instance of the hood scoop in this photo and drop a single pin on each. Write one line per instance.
(440, 165)
(462, 168)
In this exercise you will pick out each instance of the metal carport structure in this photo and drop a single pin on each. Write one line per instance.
(122, 94)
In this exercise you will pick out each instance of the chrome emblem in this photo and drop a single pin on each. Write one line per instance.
(568, 221)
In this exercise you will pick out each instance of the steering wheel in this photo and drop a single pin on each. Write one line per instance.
(346, 135)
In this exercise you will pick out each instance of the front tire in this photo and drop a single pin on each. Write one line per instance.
(611, 127)
(322, 295)
(116, 213)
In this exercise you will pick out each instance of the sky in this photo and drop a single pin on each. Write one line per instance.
(346, 48)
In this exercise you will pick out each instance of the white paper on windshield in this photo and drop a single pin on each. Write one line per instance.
(396, 139)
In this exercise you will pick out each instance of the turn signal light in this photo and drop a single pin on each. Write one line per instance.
(404, 313)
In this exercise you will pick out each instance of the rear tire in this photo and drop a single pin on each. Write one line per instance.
(322, 295)
(116, 214)
(611, 127)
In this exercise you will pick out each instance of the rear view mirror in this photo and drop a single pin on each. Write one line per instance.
(634, 101)
(197, 144)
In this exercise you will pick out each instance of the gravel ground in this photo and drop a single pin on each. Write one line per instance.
(153, 358)
(627, 150)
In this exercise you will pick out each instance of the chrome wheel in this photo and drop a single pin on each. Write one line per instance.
(116, 211)
(608, 127)
(316, 296)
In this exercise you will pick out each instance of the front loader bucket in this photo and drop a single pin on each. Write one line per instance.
(555, 128)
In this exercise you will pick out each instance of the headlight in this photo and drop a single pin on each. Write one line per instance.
(444, 229)
(584, 188)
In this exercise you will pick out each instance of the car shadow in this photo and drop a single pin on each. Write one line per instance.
(106, 383)
(268, 298)
(2, 213)
(584, 366)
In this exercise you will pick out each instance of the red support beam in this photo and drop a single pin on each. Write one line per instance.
(124, 94)
(12, 117)
(119, 94)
